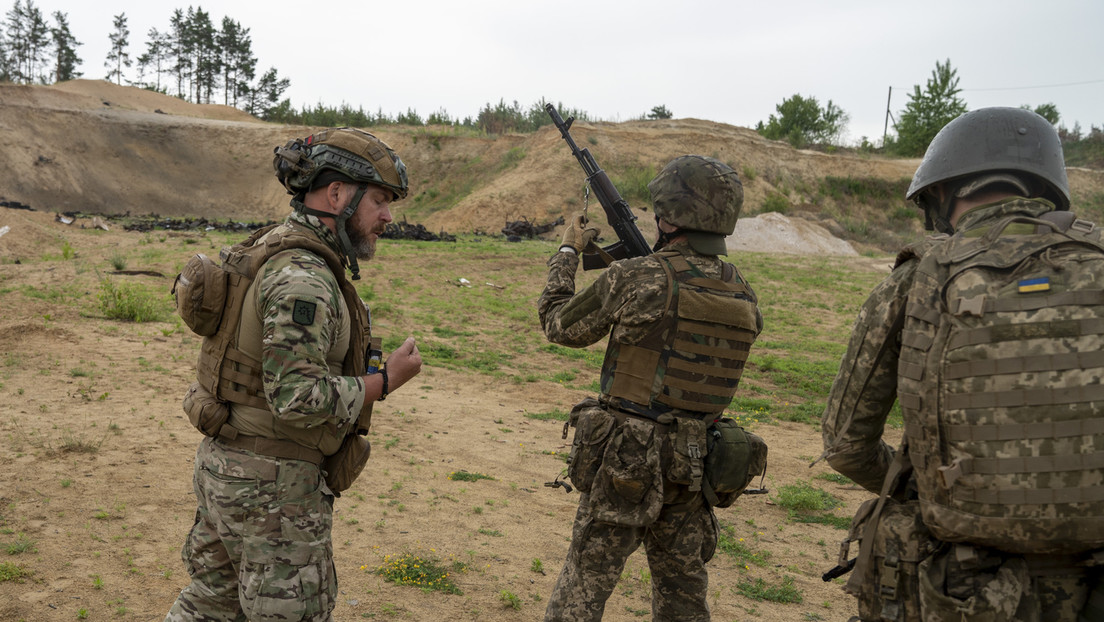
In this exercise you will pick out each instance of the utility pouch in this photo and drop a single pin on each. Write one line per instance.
(733, 459)
(688, 447)
(343, 467)
(593, 425)
(200, 294)
(887, 585)
(206, 412)
(955, 587)
(628, 489)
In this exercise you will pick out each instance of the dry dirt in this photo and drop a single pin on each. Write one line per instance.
(97, 475)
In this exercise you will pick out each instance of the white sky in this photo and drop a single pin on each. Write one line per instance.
(727, 61)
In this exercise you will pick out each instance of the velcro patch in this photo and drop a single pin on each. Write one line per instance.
(303, 312)
(1040, 284)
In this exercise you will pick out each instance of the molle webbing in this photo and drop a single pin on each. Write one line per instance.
(693, 359)
(229, 373)
(1002, 357)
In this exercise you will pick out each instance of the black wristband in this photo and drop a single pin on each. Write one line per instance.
(383, 392)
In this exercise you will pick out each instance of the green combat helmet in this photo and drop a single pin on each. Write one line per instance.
(339, 154)
(701, 196)
(1011, 146)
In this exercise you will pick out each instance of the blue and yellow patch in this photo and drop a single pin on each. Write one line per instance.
(1040, 284)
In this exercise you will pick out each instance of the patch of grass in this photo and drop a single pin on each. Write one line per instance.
(803, 497)
(131, 303)
(760, 590)
(632, 183)
(510, 599)
(737, 548)
(466, 476)
(552, 415)
(835, 478)
(22, 544)
(13, 572)
(426, 574)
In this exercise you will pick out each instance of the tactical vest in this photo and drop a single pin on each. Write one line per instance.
(694, 356)
(229, 373)
(1000, 383)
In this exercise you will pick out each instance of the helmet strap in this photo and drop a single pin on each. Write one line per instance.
(339, 221)
(663, 238)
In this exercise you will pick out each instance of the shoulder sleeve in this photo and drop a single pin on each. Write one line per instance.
(865, 387)
(616, 297)
(302, 315)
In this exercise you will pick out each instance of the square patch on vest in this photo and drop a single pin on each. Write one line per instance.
(303, 312)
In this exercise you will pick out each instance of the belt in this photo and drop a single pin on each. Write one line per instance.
(272, 447)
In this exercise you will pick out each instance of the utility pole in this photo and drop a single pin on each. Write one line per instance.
(885, 129)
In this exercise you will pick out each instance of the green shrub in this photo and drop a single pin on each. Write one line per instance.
(131, 303)
(775, 202)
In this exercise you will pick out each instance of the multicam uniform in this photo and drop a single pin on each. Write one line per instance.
(260, 547)
(860, 401)
(634, 453)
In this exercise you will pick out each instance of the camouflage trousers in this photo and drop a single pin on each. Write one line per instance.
(965, 582)
(678, 544)
(260, 547)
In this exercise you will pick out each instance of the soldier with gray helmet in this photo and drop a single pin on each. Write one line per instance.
(286, 379)
(680, 324)
(988, 336)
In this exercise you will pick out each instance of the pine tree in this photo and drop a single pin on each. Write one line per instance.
(928, 111)
(65, 49)
(117, 56)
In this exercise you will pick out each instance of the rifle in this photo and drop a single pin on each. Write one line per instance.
(618, 213)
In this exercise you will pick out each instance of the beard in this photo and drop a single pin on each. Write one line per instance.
(363, 247)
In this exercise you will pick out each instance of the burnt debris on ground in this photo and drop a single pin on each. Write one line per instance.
(517, 229)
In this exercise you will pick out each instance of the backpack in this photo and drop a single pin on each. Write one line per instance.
(1002, 357)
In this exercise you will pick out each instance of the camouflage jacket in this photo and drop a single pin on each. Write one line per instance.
(296, 306)
(865, 387)
(624, 301)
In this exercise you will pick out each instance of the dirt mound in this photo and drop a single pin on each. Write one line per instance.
(775, 233)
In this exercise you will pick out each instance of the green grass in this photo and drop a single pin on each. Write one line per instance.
(13, 572)
(759, 589)
(427, 574)
(466, 476)
(132, 303)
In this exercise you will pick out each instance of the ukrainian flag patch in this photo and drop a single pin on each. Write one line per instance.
(1040, 284)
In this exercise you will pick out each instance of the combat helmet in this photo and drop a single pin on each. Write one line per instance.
(702, 196)
(1010, 146)
(353, 153)
(339, 154)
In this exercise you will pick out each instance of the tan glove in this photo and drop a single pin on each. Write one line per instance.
(577, 235)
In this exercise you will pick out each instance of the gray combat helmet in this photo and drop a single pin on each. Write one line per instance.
(354, 153)
(702, 196)
(1004, 145)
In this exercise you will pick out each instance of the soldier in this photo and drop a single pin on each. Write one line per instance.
(991, 508)
(680, 324)
(287, 371)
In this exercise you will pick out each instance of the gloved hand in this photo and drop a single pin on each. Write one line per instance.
(577, 235)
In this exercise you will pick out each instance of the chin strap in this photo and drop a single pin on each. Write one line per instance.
(662, 238)
(339, 219)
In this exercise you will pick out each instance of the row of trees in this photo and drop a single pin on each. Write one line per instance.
(35, 51)
(802, 121)
(202, 63)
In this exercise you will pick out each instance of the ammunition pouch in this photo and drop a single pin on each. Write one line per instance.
(200, 294)
(205, 411)
(343, 467)
(734, 458)
(593, 425)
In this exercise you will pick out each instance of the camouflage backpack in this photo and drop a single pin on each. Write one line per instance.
(1001, 369)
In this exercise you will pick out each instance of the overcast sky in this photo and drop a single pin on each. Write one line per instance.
(730, 62)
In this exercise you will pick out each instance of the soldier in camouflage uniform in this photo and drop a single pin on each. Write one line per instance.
(983, 168)
(636, 454)
(260, 547)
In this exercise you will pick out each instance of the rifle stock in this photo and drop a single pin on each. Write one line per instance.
(631, 242)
